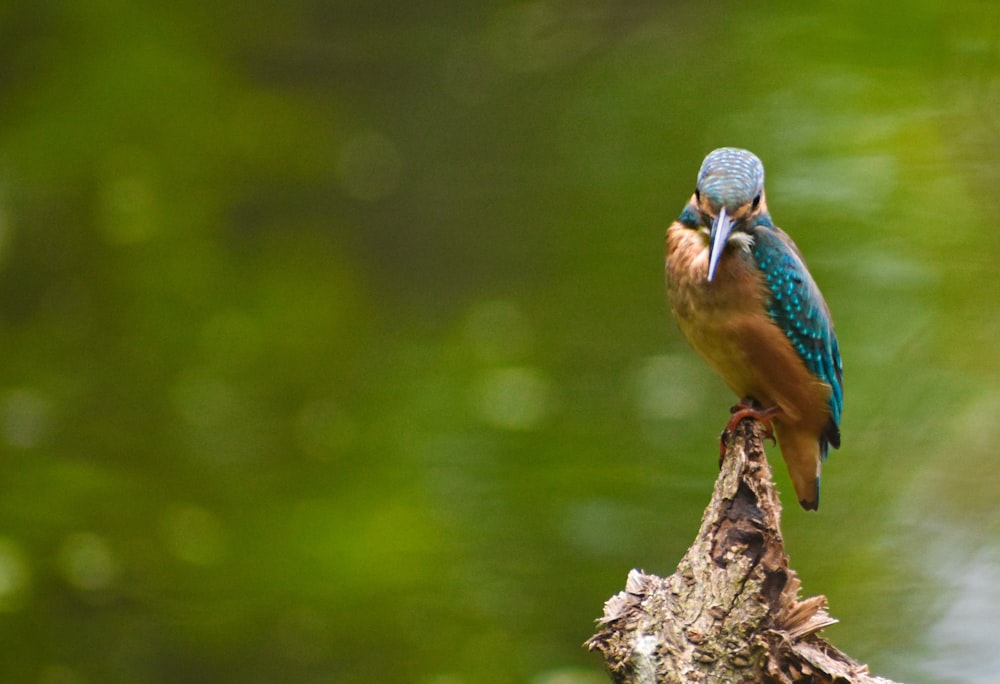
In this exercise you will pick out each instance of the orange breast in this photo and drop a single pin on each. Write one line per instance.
(726, 322)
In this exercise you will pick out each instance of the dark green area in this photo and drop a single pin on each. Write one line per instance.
(334, 344)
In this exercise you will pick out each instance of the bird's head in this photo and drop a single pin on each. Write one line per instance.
(729, 195)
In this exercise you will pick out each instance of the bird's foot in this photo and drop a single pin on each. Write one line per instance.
(748, 409)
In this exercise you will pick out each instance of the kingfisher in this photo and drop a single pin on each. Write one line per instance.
(745, 301)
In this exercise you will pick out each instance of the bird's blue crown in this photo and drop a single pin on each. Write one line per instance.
(731, 177)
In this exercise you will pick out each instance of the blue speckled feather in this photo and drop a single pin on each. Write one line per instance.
(797, 307)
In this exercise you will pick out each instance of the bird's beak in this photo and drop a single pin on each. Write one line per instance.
(722, 226)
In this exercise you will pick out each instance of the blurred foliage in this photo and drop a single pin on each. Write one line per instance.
(335, 345)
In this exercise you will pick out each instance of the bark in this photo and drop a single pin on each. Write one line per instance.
(731, 612)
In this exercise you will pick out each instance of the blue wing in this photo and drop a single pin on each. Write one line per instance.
(798, 308)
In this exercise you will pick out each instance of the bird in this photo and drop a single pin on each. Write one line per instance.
(743, 298)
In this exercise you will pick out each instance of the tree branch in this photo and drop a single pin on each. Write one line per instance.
(731, 612)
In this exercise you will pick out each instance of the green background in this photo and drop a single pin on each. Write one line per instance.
(334, 344)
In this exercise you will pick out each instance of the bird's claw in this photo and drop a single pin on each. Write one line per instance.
(747, 409)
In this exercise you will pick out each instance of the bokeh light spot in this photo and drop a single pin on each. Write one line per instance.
(514, 398)
(194, 534)
(128, 201)
(15, 576)
(26, 417)
(569, 675)
(669, 386)
(87, 562)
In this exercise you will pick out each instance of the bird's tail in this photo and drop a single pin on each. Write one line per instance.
(801, 450)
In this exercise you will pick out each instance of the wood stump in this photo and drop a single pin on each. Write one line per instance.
(731, 612)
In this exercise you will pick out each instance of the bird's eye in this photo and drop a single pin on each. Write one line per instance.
(697, 195)
(756, 202)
